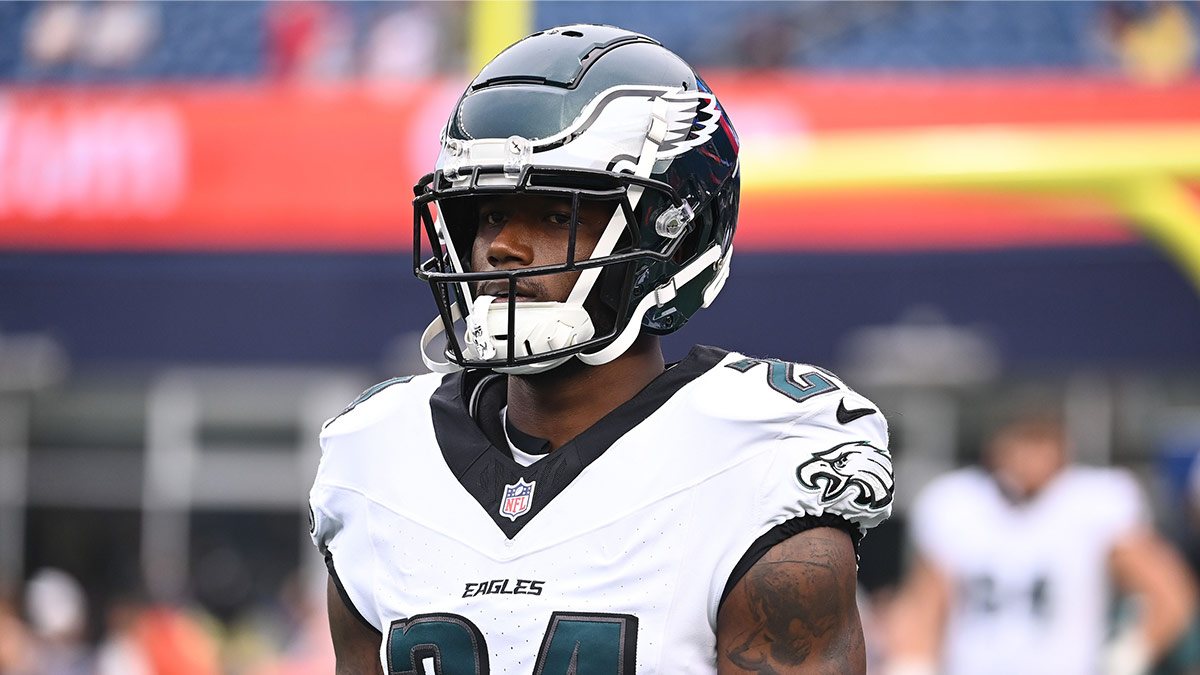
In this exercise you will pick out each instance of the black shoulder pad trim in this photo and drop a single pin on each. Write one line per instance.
(779, 533)
(344, 596)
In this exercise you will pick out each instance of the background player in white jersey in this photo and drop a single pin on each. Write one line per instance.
(554, 498)
(1014, 561)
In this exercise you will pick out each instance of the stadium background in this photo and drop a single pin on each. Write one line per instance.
(205, 251)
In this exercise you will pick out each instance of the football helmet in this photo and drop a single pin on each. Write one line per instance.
(585, 113)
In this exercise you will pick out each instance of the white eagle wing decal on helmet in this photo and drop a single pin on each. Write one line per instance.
(857, 466)
(686, 110)
(603, 138)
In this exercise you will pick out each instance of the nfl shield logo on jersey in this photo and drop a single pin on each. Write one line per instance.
(517, 499)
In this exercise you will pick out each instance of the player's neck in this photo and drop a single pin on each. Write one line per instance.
(560, 404)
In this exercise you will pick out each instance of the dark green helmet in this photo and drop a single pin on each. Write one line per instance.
(586, 113)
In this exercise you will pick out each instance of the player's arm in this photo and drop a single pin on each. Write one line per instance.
(354, 643)
(913, 625)
(1146, 565)
(794, 611)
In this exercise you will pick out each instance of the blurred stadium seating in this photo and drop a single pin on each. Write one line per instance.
(207, 40)
(164, 364)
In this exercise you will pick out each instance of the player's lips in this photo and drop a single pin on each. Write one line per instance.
(499, 290)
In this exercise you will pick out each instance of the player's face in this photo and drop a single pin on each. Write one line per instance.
(518, 231)
(1026, 464)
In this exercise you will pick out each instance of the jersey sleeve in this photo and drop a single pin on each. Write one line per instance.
(339, 527)
(1123, 508)
(356, 445)
(830, 467)
(833, 460)
(942, 509)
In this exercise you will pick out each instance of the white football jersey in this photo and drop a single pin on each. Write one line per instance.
(1031, 589)
(611, 554)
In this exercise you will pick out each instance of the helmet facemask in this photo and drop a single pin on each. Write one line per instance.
(485, 307)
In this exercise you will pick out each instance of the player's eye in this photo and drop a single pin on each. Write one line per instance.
(559, 219)
(492, 218)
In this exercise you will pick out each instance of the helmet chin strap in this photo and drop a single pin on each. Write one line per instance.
(661, 296)
(481, 344)
(434, 329)
(539, 327)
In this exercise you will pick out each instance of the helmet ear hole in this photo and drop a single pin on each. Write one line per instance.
(687, 247)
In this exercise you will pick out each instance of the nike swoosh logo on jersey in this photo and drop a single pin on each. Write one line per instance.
(845, 416)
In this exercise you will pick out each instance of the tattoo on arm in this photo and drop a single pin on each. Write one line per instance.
(794, 611)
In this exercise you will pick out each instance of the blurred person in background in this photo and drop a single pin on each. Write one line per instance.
(120, 651)
(146, 637)
(402, 43)
(104, 36)
(306, 648)
(309, 41)
(1151, 42)
(1013, 565)
(57, 610)
(17, 653)
(175, 642)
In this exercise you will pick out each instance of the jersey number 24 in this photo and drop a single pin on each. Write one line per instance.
(449, 644)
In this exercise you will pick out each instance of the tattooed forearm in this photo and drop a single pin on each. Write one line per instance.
(796, 610)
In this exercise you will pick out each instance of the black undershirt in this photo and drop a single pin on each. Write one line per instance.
(526, 443)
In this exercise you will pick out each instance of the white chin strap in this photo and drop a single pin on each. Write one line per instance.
(539, 327)
(661, 296)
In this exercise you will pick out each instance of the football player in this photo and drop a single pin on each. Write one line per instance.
(1014, 561)
(553, 498)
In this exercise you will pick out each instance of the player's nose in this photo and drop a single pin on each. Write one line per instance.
(513, 243)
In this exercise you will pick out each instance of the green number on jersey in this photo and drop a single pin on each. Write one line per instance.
(588, 644)
(436, 644)
(574, 644)
(782, 378)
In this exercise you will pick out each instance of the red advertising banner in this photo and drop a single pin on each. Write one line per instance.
(221, 167)
(255, 167)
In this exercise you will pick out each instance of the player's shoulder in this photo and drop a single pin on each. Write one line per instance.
(772, 389)
(383, 401)
(1087, 477)
(952, 506)
(1104, 502)
(813, 413)
(831, 441)
(954, 489)
(1106, 488)
(968, 478)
